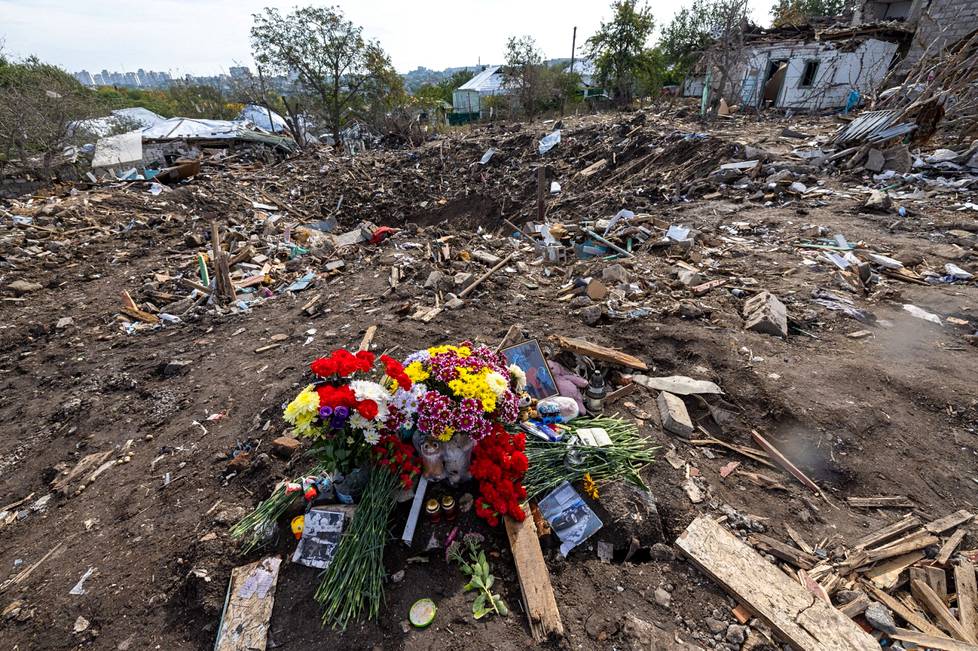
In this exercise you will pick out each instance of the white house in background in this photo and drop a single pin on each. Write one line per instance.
(813, 75)
(468, 98)
(809, 74)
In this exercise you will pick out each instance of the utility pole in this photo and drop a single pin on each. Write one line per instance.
(573, 48)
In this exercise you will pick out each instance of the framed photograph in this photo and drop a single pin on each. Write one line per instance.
(529, 357)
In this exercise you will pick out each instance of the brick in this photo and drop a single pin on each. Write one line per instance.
(766, 314)
(285, 446)
(675, 418)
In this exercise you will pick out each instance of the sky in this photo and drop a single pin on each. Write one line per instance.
(205, 37)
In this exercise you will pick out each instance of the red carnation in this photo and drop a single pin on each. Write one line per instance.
(367, 409)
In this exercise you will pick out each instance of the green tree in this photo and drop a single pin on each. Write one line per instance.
(794, 13)
(334, 65)
(39, 104)
(690, 32)
(525, 75)
(619, 50)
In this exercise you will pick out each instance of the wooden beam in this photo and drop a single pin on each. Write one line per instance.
(248, 606)
(538, 595)
(594, 351)
(905, 546)
(784, 605)
(948, 521)
(924, 594)
(880, 502)
(910, 616)
(964, 581)
(938, 642)
(889, 532)
(935, 577)
(951, 544)
(784, 462)
(856, 607)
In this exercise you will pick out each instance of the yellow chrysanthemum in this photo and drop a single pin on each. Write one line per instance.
(474, 384)
(303, 410)
(417, 372)
(447, 434)
(461, 351)
(590, 487)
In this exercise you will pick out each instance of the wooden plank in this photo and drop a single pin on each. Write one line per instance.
(798, 540)
(938, 642)
(880, 502)
(538, 595)
(708, 286)
(935, 577)
(594, 351)
(787, 607)
(964, 581)
(898, 528)
(751, 453)
(901, 547)
(248, 606)
(886, 575)
(932, 603)
(856, 607)
(948, 521)
(949, 546)
(785, 552)
(894, 604)
(784, 463)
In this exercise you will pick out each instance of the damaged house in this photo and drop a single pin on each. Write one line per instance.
(809, 69)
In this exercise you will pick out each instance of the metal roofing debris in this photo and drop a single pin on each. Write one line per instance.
(264, 118)
(874, 126)
(122, 150)
(486, 81)
(194, 129)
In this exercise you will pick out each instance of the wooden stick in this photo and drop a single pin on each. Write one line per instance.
(897, 606)
(368, 338)
(481, 279)
(938, 642)
(964, 580)
(784, 463)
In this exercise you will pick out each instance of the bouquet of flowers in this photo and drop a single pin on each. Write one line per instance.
(345, 412)
(457, 389)
(499, 464)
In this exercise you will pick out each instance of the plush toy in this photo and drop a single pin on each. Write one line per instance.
(528, 407)
(566, 407)
(569, 384)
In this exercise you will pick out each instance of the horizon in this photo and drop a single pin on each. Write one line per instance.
(123, 38)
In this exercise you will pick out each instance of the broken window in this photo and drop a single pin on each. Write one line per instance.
(808, 76)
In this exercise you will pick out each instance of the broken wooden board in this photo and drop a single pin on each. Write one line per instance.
(933, 604)
(964, 580)
(903, 546)
(87, 463)
(880, 502)
(951, 544)
(538, 594)
(935, 577)
(789, 609)
(948, 522)
(886, 575)
(897, 606)
(938, 642)
(594, 351)
(888, 532)
(787, 553)
(248, 606)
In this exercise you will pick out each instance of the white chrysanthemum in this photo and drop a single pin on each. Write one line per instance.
(371, 436)
(496, 383)
(518, 375)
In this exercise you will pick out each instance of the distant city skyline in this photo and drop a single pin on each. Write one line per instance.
(207, 38)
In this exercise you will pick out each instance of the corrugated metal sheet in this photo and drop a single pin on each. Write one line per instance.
(873, 126)
(486, 82)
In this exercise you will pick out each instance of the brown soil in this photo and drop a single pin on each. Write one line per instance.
(895, 413)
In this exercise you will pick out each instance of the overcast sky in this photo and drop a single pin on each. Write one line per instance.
(204, 37)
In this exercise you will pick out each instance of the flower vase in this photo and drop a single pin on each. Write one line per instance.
(432, 463)
(458, 456)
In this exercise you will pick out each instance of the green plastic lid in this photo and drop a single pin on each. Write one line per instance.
(422, 613)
